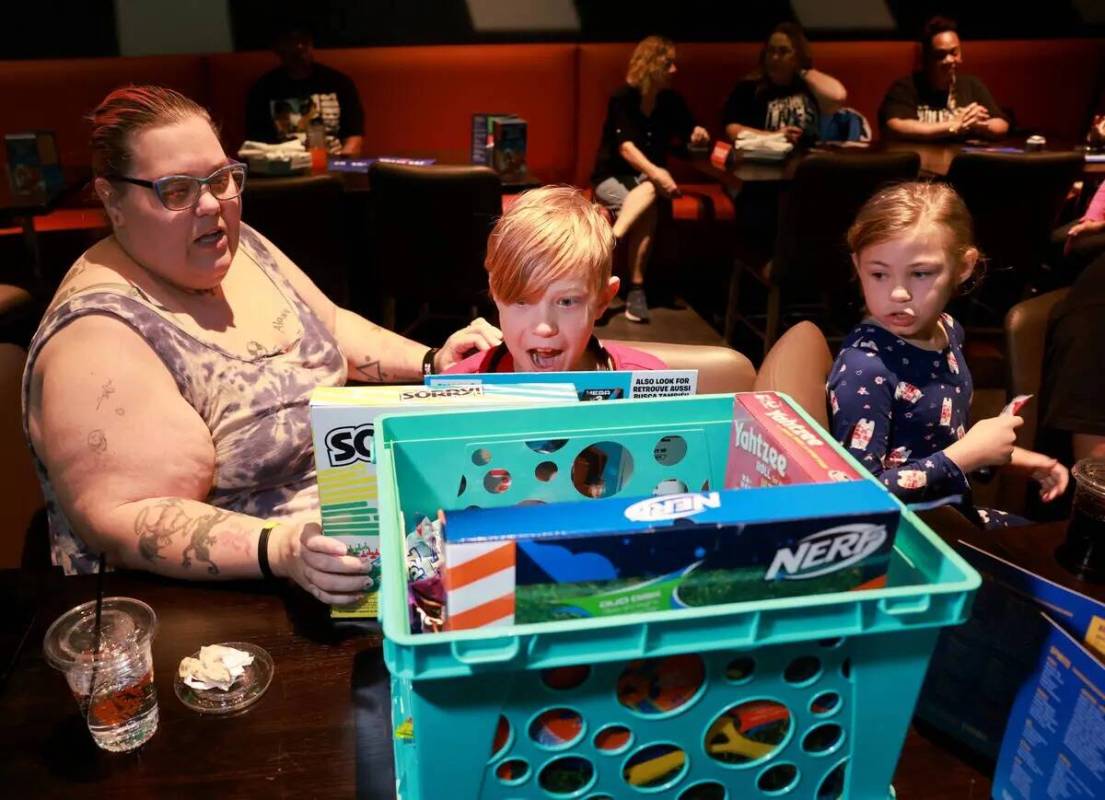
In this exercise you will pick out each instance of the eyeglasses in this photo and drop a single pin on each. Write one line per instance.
(181, 192)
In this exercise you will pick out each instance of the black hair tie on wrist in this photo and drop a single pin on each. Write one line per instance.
(263, 551)
(428, 361)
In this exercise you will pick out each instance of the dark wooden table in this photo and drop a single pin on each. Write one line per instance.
(936, 159)
(322, 730)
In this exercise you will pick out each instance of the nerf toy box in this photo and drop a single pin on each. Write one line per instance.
(773, 445)
(342, 423)
(518, 565)
(596, 385)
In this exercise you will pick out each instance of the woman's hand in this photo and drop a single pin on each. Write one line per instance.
(792, 132)
(319, 564)
(664, 182)
(1085, 227)
(479, 334)
(1052, 476)
(989, 443)
(699, 136)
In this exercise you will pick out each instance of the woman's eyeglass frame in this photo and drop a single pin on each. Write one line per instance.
(160, 185)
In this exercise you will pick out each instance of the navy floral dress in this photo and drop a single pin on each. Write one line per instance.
(897, 406)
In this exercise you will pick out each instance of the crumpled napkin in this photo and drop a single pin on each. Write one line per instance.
(773, 143)
(218, 667)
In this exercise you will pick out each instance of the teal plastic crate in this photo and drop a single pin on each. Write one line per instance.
(683, 704)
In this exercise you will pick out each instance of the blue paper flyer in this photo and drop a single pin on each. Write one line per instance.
(593, 385)
(979, 667)
(1054, 744)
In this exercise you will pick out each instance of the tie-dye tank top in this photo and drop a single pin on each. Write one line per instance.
(256, 407)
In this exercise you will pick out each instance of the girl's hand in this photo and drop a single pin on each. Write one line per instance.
(1052, 476)
(989, 443)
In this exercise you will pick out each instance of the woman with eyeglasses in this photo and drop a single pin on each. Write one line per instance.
(166, 390)
(786, 93)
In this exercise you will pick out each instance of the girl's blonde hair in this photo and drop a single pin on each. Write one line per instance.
(649, 62)
(548, 234)
(896, 210)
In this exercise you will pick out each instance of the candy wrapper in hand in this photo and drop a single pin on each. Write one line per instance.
(1015, 405)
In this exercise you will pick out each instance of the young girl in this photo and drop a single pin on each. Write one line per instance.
(900, 390)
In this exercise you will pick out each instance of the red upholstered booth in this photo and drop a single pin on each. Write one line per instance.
(420, 99)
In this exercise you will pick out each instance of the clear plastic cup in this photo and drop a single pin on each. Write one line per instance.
(113, 685)
(1083, 552)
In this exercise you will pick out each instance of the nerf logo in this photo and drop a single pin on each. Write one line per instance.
(348, 445)
(672, 506)
(826, 551)
(429, 394)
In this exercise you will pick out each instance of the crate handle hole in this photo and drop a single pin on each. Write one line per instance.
(670, 450)
(485, 651)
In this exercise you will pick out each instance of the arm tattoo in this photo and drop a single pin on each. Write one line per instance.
(202, 539)
(97, 441)
(156, 525)
(278, 323)
(106, 391)
(371, 370)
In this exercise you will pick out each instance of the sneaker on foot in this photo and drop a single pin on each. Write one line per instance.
(636, 305)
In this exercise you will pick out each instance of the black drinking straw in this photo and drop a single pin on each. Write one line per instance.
(99, 601)
(97, 631)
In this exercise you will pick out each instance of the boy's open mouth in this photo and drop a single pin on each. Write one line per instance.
(546, 358)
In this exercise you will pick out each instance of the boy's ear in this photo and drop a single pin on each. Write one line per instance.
(967, 267)
(109, 196)
(607, 295)
(855, 263)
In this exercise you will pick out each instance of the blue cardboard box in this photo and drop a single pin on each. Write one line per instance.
(600, 558)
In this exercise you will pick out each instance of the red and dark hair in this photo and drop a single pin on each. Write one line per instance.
(128, 110)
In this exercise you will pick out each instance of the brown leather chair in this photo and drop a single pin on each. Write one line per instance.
(799, 365)
(1015, 236)
(1025, 337)
(428, 227)
(20, 498)
(810, 262)
(721, 370)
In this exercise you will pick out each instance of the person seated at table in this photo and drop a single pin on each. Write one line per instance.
(900, 390)
(548, 265)
(1072, 416)
(785, 94)
(165, 397)
(1082, 240)
(283, 100)
(642, 119)
(939, 102)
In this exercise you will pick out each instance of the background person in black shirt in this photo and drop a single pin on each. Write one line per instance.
(940, 102)
(642, 119)
(786, 93)
(283, 102)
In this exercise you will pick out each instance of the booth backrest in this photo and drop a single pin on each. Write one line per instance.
(421, 99)
(57, 95)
